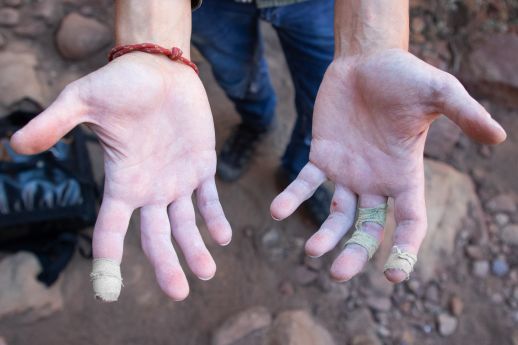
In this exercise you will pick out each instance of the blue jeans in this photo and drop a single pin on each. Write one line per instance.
(227, 35)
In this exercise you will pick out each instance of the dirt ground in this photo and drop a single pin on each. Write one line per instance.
(259, 267)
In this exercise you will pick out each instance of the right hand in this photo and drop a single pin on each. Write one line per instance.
(154, 122)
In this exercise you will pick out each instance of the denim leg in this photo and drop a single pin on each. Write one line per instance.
(306, 34)
(227, 35)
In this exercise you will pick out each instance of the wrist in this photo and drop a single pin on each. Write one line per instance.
(166, 23)
(368, 27)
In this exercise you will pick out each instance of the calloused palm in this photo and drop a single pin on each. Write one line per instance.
(155, 125)
(370, 123)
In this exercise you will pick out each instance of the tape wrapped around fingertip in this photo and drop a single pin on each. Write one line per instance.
(401, 260)
(106, 279)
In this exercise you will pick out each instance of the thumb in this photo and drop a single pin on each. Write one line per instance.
(42, 132)
(468, 114)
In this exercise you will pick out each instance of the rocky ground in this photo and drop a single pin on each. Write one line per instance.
(465, 290)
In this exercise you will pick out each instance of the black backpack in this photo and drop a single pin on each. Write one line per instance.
(45, 199)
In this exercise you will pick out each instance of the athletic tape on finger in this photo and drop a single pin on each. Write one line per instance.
(401, 260)
(106, 279)
(362, 238)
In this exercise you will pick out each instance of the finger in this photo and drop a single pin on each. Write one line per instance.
(46, 129)
(210, 208)
(341, 217)
(301, 189)
(466, 112)
(187, 235)
(410, 216)
(156, 243)
(354, 257)
(107, 246)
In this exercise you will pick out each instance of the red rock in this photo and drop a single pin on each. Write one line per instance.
(495, 60)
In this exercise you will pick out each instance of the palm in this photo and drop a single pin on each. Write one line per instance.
(370, 123)
(155, 125)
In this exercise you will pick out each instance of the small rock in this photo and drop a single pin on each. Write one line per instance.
(501, 203)
(456, 305)
(500, 267)
(515, 293)
(367, 339)
(9, 17)
(414, 286)
(501, 219)
(433, 293)
(474, 252)
(305, 276)
(241, 325)
(79, 37)
(379, 303)
(481, 268)
(407, 338)
(31, 30)
(418, 24)
(3, 341)
(510, 234)
(497, 298)
(446, 324)
(297, 327)
(515, 338)
(48, 11)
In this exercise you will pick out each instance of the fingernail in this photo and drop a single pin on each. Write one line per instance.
(226, 243)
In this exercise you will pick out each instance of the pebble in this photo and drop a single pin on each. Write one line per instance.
(379, 303)
(510, 234)
(515, 293)
(500, 267)
(3, 341)
(501, 219)
(502, 203)
(241, 324)
(79, 37)
(432, 293)
(446, 324)
(305, 276)
(497, 298)
(456, 305)
(481, 268)
(414, 286)
(474, 252)
(9, 17)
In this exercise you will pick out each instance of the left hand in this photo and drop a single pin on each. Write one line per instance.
(371, 118)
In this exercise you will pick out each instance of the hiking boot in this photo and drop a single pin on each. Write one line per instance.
(318, 205)
(237, 151)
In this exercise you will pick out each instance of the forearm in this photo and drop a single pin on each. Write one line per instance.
(164, 22)
(367, 26)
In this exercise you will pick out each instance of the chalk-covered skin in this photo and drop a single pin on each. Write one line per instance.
(155, 125)
(372, 114)
(370, 123)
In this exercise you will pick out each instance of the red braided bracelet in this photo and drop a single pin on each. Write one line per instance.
(174, 53)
